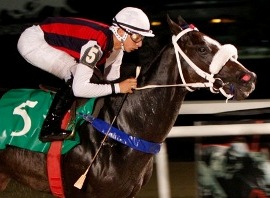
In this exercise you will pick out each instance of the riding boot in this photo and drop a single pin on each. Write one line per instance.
(62, 102)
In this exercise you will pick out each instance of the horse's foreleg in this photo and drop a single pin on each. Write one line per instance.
(4, 180)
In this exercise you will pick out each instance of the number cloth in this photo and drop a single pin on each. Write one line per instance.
(22, 112)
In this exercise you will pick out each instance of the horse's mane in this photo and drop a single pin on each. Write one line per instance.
(146, 58)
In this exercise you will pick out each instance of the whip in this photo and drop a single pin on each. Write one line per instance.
(79, 183)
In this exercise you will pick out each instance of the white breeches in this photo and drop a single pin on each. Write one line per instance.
(33, 47)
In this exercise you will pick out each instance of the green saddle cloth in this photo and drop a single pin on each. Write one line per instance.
(22, 112)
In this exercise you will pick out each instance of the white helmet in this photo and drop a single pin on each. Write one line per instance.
(238, 149)
(133, 20)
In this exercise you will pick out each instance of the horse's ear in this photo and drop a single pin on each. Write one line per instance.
(174, 27)
(182, 22)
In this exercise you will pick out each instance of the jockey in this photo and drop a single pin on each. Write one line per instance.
(72, 49)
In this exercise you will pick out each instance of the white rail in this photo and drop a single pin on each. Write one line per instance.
(220, 106)
(208, 107)
(221, 130)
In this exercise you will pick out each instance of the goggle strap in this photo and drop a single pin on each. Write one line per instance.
(129, 26)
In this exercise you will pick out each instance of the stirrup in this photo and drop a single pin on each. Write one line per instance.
(72, 135)
(63, 135)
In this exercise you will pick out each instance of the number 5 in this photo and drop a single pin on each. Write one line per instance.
(20, 110)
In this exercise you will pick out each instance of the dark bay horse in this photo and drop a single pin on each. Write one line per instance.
(191, 61)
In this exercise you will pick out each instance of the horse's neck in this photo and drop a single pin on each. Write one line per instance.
(152, 112)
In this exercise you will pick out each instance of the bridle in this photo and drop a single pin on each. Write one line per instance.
(225, 53)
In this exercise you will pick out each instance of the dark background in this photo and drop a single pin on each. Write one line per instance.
(246, 25)
(249, 31)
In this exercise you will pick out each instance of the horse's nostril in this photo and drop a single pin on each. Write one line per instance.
(246, 77)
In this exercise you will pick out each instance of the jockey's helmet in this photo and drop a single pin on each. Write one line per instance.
(133, 20)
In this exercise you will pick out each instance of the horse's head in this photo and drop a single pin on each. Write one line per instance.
(206, 61)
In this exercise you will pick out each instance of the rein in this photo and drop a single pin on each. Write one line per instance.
(221, 57)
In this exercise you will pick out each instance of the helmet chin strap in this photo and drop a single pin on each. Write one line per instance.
(114, 29)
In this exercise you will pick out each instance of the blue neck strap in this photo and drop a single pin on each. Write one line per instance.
(122, 137)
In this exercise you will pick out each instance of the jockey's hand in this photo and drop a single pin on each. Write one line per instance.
(128, 85)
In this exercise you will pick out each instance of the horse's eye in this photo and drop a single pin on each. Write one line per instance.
(202, 50)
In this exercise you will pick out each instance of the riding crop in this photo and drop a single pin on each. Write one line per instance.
(79, 183)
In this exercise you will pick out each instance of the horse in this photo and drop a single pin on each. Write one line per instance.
(118, 167)
(222, 168)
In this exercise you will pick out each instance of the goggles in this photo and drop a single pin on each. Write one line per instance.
(135, 37)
